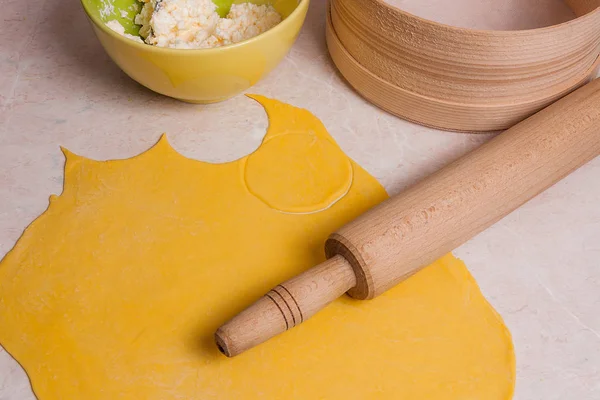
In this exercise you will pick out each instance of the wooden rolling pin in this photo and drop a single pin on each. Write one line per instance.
(400, 236)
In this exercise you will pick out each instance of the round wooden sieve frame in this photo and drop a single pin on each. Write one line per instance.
(460, 79)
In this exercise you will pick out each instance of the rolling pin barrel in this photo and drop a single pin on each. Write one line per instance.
(409, 231)
(405, 233)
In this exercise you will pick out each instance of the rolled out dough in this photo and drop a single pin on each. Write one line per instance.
(116, 290)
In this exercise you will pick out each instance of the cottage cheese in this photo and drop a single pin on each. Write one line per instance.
(195, 24)
(117, 27)
(245, 21)
(181, 24)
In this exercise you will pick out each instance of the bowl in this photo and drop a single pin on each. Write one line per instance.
(198, 75)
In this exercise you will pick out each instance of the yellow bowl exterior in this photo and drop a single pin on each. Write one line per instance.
(202, 75)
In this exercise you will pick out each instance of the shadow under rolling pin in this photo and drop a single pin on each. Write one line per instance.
(411, 230)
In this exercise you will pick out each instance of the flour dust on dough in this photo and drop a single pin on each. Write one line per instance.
(115, 291)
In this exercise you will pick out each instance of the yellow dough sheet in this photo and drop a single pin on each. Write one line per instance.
(115, 291)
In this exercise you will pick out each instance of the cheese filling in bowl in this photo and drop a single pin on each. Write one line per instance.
(197, 51)
(196, 24)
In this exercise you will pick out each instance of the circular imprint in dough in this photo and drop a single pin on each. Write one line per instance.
(298, 173)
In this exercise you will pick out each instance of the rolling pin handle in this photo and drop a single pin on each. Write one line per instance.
(286, 306)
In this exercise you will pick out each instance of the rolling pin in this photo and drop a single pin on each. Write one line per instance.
(411, 230)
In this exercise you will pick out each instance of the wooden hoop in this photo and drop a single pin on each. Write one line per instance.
(460, 79)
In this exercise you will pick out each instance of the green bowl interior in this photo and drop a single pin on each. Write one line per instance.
(125, 11)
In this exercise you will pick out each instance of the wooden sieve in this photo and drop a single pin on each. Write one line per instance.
(455, 78)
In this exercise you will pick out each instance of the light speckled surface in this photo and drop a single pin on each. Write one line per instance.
(540, 266)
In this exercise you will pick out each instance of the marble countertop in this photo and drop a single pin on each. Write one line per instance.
(539, 267)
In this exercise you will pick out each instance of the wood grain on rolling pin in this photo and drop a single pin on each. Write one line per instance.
(397, 238)
(413, 229)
